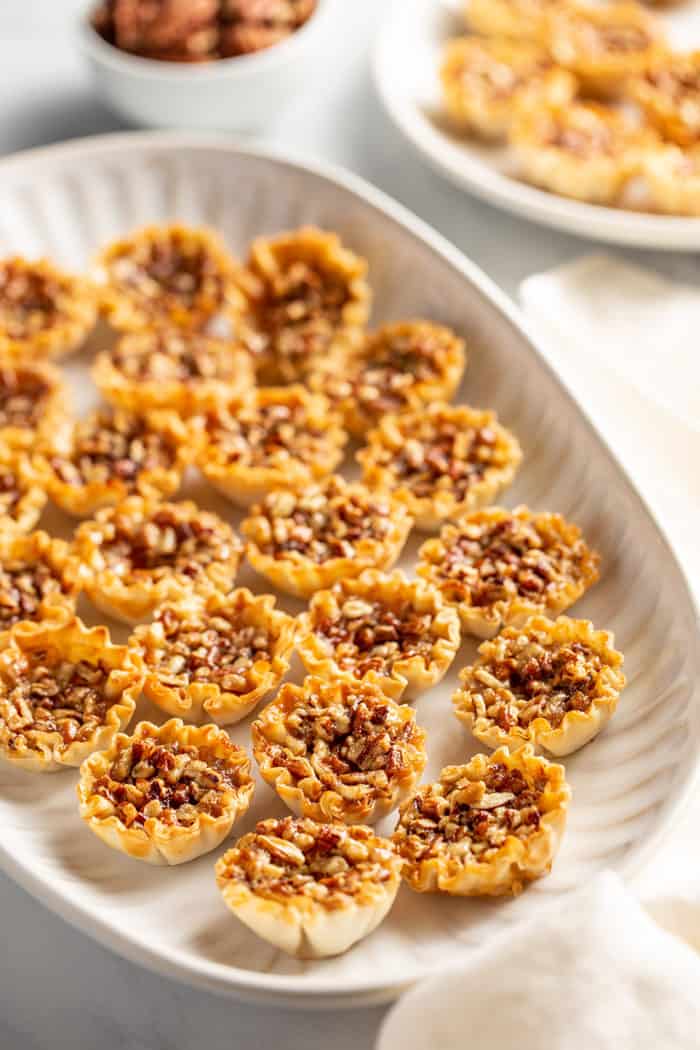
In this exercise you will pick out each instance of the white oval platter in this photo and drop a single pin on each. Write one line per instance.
(65, 201)
(406, 63)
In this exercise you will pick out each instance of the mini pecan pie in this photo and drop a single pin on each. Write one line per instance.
(585, 151)
(440, 461)
(143, 553)
(279, 437)
(44, 312)
(485, 80)
(497, 567)
(22, 497)
(39, 578)
(166, 794)
(604, 46)
(311, 889)
(672, 177)
(306, 541)
(215, 657)
(519, 19)
(552, 683)
(172, 369)
(168, 276)
(400, 366)
(33, 402)
(381, 625)
(308, 297)
(112, 453)
(339, 750)
(486, 828)
(65, 691)
(669, 94)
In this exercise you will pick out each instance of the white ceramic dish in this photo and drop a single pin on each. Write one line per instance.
(234, 94)
(406, 63)
(67, 200)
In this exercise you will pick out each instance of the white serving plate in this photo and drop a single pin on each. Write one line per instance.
(406, 64)
(67, 200)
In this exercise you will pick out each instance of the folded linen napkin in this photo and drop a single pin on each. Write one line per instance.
(601, 972)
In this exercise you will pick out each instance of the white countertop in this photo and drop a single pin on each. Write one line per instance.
(57, 988)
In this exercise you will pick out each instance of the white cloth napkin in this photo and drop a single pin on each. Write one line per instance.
(601, 972)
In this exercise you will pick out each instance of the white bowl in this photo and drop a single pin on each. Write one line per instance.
(231, 94)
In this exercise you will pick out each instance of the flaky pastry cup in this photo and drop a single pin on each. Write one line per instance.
(44, 312)
(672, 177)
(498, 567)
(215, 657)
(168, 276)
(278, 437)
(111, 454)
(669, 94)
(585, 151)
(311, 889)
(166, 794)
(484, 80)
(306, 541)
(172, 369)
(34, 403)
(553, 684)
(486, 828)
(399, 366)
(65, 691)
(22, 497)
(142, 553)
(339, 750)
(518, 19)
(440, 461)
(308, 297)
(40, 579)
(383, 625)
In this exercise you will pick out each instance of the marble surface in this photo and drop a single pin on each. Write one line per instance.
(57, 988)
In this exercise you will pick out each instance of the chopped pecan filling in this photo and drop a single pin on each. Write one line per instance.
(441, 454)
(23, 588)
(23, 396)
(44, 695)
(29, 299)
(110, 444)
(291, 857)
(370, 636)
(676, 82)
(11, 492)
(470, 818)
(267, 435)
(585, 139)
(615, 39)
(172, 783)
(164, 357)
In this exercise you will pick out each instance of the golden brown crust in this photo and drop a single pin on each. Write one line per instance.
(215, 657)
(65, 691)
(339, 750)
(22, 497)
(143, 553)
(486, 828)
(111, 454)
(498, 567)
(172, 369)
(397, 367)
(306, 541)
(44, 312)
(278, 437)
(308, 297)
(311, 889)
(39, 578)
(440, 461)
(669, 94)
(176, 276)
(33, 403)
(554, 684)
(166, 794)
(396, 630)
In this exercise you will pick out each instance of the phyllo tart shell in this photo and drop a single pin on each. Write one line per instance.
(65, 691)
(143, 553)
(277, 437)
(339, 750)
(384, 626)
(306, 541)
(669, 94)
(518, 19)
(554, 684)
(498, 567)
(486, 828)
(311, 889)
(214, 657)
(22, 496)
(33, 403)
(44, 312)
(39, 578)
(672, 177)
(166, 794)
(440, 461)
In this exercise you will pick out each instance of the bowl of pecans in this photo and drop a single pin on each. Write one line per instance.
(227, 65)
